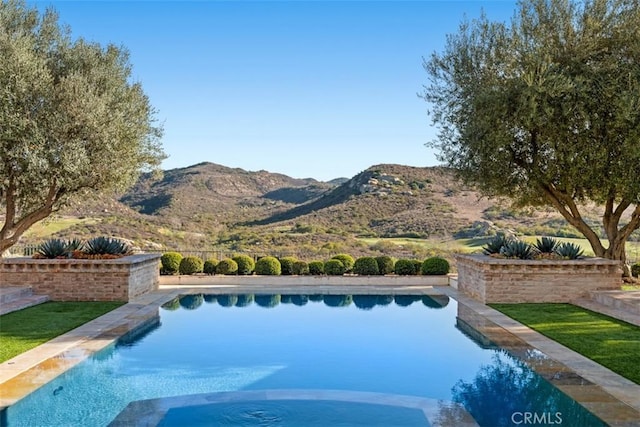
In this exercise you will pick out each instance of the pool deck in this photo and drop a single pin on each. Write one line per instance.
(611, 397)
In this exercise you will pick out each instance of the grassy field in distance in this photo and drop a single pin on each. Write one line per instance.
(475, 244)
(46, 228)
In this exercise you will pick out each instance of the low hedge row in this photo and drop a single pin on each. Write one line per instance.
(175, 263)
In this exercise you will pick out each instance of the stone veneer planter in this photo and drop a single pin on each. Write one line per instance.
(84, 279)
(495, 280)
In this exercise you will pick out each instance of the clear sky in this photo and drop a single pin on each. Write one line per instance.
(320, 89)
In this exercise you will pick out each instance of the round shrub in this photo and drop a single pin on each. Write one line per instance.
(191, 265)
(300, 268)
(170, 262)
(404, 267)
(268, 266)
(346, 260)
(435, 266)
(366, 266)
(334, 267)
(210, 266)
(316, 268)
(635, 269)
(417, 266)
(385, 264)
(227, 266)
(286, 264)
(245, 264)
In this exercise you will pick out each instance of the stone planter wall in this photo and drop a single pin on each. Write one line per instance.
(82, 279)
(495, 280)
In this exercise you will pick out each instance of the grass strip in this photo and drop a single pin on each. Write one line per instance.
(28, 328)
(610, 342)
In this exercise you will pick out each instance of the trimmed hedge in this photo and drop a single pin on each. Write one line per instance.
(316, 268)
(405, 267)
(286, 265)
(435, 266)
(300, 268)
(245, 264)
(635, 270)
(210, 266)
(385, 264)
(170, 262)
(417, 266)
(191, 265)
(346, 260)
(268, 266)
(366, 266)
(334, 267)
(227, 266)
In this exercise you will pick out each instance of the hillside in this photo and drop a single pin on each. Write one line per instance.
(209, 206)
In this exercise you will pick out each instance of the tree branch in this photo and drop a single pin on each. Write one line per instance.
(560, 201)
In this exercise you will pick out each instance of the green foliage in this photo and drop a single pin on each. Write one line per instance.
(546, 245)
(385, 264)
(74, 119)
(227, 266)
(417, 266)
(435, 266)
(268, 266)
(540, 110)
(245, 263)
(300, 268)
(405, 267)
(346, 260)
(635, 269)
(74, 245)
(495, 245)
(170, 262)
(517, 249)
(569, 250)
(53, 248)
(106, 246)
(366, 266)
(210, 266)
(316, 268)
(286, 264)
(191, 265)
(334, 267)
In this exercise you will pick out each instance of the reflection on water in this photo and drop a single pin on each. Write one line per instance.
(363, 302)
(507, 387)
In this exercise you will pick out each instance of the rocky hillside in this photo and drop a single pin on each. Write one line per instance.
(209, 206)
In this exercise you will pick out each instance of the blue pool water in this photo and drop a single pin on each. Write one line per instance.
(401, 345)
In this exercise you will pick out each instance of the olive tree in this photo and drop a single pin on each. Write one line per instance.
(545, 109)
(72, 121)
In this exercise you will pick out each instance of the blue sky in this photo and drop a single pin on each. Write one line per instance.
(318, 89)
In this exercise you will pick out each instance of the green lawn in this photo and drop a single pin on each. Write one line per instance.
(610, 342)
(25, 329)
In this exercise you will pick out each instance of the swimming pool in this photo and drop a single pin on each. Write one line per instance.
(396, 348)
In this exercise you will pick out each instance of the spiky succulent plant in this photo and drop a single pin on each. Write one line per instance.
(569, 250)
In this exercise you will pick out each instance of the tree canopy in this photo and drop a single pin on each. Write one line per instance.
(72, 121)
(546, 110)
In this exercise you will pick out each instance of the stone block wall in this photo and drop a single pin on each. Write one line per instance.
(495, 280)
(84, 280)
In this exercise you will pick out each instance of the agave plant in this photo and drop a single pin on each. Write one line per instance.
(53, 248)
(106, 246)
(546, 245)
(74, 245)
(569, 250)
(495, 245)
(517, 249)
